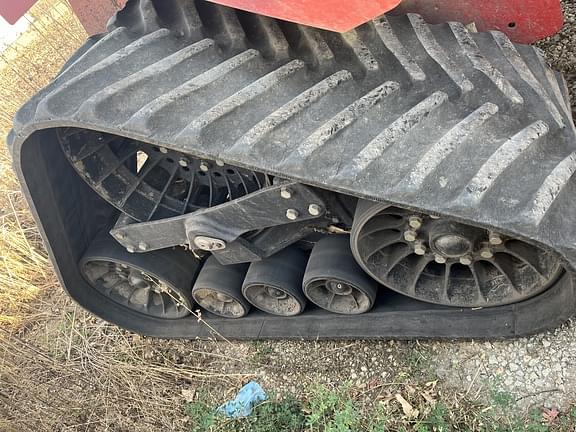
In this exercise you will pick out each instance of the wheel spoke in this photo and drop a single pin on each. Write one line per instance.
(446, 284)
(379, 242)
(397, 258)
(112, 168)
(381, 223)
(421, 263)
(147, 168)
(526, 254)
(507, 270)
(479, 293)
(173, 172)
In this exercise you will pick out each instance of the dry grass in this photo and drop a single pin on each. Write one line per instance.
(25, 67)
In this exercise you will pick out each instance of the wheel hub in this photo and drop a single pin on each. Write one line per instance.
(276, 293)
(452, 245)
(339, 288)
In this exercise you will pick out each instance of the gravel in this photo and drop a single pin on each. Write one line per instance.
(539, 371)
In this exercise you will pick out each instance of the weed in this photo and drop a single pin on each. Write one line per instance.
(278, 415)
(202, 416)
(262, 353)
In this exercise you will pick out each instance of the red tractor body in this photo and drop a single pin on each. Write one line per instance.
(524, 21)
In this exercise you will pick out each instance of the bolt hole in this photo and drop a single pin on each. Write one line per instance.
(186, 168)
(156, 149)
(169, 160)
(216, 174)
(230, 171)
(512, 24)
(201, 173)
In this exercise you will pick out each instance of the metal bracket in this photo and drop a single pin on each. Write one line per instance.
(219, 229)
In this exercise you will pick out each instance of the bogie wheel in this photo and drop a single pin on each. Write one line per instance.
(441, 261)
(334, 281)
(274, 285)
(218, 289)
(156, 284)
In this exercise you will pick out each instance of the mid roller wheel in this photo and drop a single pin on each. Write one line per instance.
(274, 285)
(442, 261)
(218, 289)
(156, 284)
(334, 281)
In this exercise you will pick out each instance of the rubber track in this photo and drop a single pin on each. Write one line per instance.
(437, 118)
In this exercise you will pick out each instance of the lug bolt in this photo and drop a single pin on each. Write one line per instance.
(410, 236)
(415, 222)
(220, 163)
(292, 214)
(420, 248)
(434, 217)
(440, 259)
(130, 249)
(486, 253)
(120, 235)
(183, 162)
(314, 209)
(466, 260)
(163, 150)
(495, 238)
(142, 246)
(286, 192)
(204, 166)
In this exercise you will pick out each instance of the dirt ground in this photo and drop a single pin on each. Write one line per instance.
(62, 369)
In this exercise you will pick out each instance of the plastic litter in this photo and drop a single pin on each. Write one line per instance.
(245, 400)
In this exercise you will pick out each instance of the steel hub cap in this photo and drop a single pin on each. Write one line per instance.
(452, 245)
(339, 288)
(441, 261)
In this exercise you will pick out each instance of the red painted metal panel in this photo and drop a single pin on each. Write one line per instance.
(524, 21)
(12, 10)
(94, 14)
(336, 15)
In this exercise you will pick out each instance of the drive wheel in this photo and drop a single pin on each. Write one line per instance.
(157, 284)
(442, 261)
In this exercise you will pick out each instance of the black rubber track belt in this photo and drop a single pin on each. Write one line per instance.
(435, 118)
